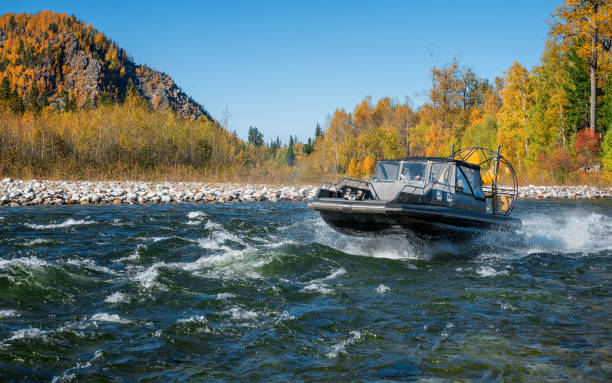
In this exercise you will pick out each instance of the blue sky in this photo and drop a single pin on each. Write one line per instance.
(283, 66)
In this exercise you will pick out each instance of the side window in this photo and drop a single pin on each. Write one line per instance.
(462, 183)
(440, 173)
(473, 177)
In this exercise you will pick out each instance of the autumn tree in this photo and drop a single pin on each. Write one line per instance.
(588, 24)
(445, 93)
(517, 97)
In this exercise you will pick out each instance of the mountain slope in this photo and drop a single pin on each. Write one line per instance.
(56, 59)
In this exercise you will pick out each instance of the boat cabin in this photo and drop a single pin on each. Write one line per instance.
(419, 181)
(430, 180)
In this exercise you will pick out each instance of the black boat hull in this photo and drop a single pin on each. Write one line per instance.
(379, 218)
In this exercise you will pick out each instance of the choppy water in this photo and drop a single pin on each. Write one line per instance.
(266, 292)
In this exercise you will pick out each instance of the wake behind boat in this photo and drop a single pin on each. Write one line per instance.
(470, 192)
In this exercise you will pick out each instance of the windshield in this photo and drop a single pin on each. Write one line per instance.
(413, 171)
(386, 171)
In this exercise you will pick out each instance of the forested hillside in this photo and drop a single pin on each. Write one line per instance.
(73, 105)
(51, 59)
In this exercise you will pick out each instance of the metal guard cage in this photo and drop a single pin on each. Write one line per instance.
(500, 185)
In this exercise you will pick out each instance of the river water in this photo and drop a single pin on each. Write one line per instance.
(267, 292)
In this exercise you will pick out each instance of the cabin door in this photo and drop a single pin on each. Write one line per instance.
(440, 177)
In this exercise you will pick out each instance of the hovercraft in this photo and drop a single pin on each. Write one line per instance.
(470, 192)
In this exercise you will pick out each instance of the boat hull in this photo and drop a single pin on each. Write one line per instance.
(380, 218)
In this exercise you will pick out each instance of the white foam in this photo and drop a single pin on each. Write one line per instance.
(104, 317)
(147, 277)
(37, 241)
(340, 347)
(8, 313)
(382, 289)
(116, 297)
(397, 247)
(69, 222)
(195, 214)
(217, 240)
(193, 319)
(569, 231)
(488, 271)
(28, 333)
(283, 317)
(319, 284)
(154, 239)
(210, 225)
(89, 263)
(318, 287)
(238, 313)
(193, 222)
(68, 375)
(223, 296)
(32, 262)
(335, 274)
(229, 257)
(133, 256)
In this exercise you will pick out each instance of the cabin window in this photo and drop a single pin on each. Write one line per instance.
(413, 171)
(440, 172)
(386, 171)
(473, 177)
(461, 183)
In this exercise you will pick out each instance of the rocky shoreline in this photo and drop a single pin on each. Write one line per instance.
(33, 192)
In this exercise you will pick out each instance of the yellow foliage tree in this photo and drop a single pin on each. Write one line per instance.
(353, 169)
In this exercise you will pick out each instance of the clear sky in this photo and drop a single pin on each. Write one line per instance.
(283, 66)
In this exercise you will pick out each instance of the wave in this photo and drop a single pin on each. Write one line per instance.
(67, 223)
(239, 314)
(28, 333)
(116, 297)
(488, 271)
(90, 264)
(193, 319)
(340, 348)
(39, 241)
(32, 262)
(147, 277)
(69, 374)
(382, 289)
(223, 296)
(196, 214)
(8, 313)
(105, 317)
(319, 285)
(568, 232)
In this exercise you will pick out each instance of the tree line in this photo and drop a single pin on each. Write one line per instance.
(553, 122)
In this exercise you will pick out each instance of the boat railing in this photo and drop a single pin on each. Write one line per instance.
(350, 182)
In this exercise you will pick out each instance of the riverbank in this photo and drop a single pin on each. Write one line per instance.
(33, 192)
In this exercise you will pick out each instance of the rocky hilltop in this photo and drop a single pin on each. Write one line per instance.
(55, 59)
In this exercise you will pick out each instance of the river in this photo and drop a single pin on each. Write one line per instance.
(267, 292)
